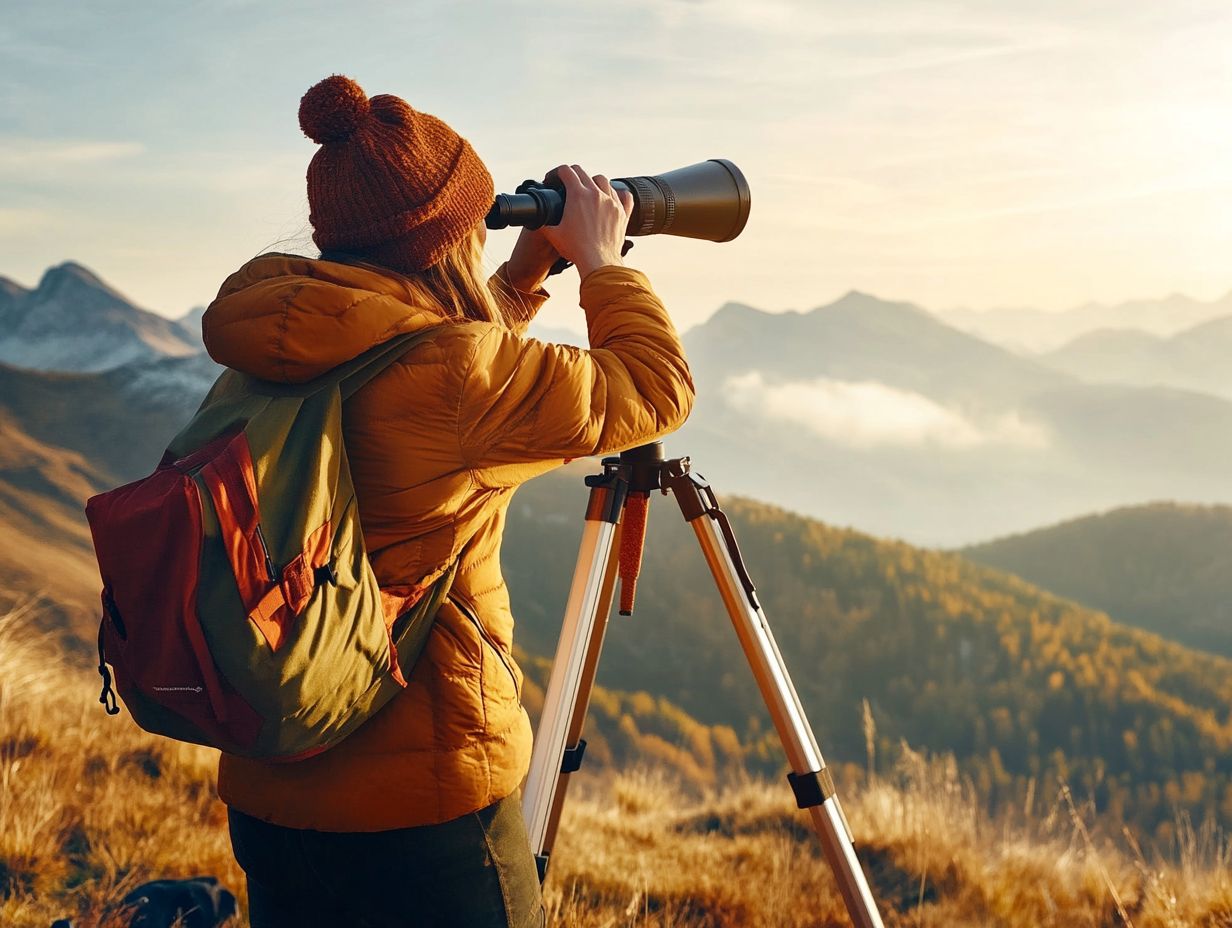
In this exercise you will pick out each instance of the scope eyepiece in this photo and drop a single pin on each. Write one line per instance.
(533, 206)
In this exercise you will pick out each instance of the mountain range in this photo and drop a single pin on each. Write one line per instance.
(879, 415)
(64, 437)
(862, 412)
(1035, 330)
(951, 656)
(1193, 359)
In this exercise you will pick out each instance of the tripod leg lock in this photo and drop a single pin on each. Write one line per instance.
(812, 789)
(572, 760)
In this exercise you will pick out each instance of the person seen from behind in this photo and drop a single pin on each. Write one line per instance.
(415, 819)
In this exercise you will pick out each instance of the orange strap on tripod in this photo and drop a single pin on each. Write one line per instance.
(632, 541)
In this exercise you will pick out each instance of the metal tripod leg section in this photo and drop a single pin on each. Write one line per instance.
(558, 744)
(810, 779)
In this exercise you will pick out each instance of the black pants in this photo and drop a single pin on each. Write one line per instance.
(473, 872)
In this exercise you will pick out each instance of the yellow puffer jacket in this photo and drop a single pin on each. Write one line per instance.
(438, 443)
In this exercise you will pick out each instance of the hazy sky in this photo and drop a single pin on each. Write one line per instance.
(947, 152)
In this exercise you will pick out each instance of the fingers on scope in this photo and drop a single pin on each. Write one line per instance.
(573, 176)
(585, 179)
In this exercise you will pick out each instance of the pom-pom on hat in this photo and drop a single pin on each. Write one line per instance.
(390, 183)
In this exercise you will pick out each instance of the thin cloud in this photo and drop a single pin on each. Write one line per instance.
(867, 414)
(1178, 184)
(23, 154)
(937, 60)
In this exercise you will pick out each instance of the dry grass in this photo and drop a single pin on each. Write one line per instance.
(90, 807)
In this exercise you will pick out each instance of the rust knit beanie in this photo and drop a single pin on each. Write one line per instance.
(389, 183)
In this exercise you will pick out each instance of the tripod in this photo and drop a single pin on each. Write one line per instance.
(616, 511)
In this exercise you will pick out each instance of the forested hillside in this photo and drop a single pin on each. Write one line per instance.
(1020, 685)
(1164, 567)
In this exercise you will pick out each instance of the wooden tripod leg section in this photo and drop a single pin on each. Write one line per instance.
(558, 740)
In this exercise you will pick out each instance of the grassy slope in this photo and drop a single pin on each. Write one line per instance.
(45, 544)
(89, 810)
(63, 438)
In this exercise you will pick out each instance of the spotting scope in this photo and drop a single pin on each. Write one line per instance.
(709, 200)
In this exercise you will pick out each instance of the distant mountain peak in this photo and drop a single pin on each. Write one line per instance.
(74, 321)
(857, 301)
(70, 270)
(733, 316)
(70, 276)
(733, 308)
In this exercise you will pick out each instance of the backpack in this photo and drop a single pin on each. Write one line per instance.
(240, 610)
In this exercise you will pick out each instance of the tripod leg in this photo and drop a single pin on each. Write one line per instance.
(558, 745)
(810, 780)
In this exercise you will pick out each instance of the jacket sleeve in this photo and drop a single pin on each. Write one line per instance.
(526, 401)
(518, 307)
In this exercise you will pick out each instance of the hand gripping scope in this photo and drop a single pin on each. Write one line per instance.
(708, 200)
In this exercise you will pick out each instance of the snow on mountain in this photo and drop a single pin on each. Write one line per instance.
(73, 321)
(167, 380)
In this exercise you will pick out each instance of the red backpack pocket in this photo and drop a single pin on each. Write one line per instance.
(148, 537)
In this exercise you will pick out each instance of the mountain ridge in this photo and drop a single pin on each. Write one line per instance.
(1034, 330)
(1194, 358)
(914, 428)
(73, 320)
(919, 430)
(1164, 567)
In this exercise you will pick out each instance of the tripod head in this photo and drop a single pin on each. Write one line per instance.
(642, 466)
(631, 477)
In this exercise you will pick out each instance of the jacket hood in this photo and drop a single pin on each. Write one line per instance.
(288, 318)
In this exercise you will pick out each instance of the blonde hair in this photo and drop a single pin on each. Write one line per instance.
(457, 284)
